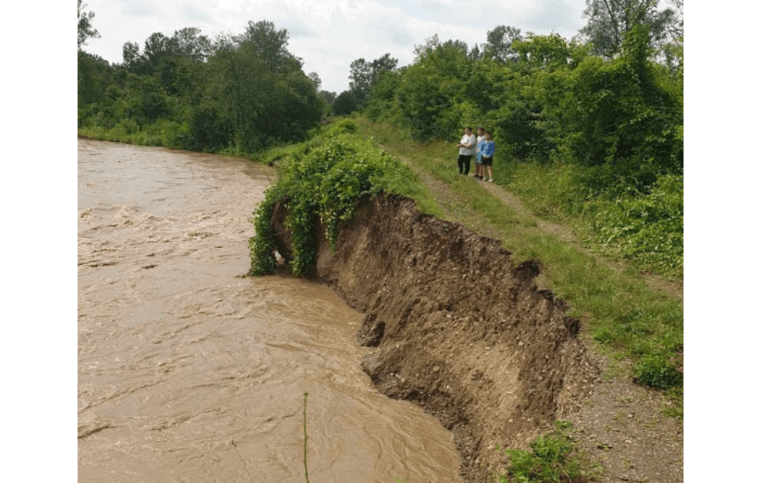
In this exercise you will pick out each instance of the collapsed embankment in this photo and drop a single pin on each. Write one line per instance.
(459, 327)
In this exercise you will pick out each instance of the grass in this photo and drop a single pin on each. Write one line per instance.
(638, 327)
(553, 457)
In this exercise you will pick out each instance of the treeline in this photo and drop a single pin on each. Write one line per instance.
(606, 111)
(238, 93)
(547, 100)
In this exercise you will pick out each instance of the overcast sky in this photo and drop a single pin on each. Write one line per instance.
(329, 34)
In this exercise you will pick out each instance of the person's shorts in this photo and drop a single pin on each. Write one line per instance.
(488, 161)
(478, 160)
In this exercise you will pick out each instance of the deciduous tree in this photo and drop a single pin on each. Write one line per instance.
(85, 28)
(270, 45)
(315, 78)
(344, 104)
(499, 43)
(188, 42)
(363, 75)
(609, 20)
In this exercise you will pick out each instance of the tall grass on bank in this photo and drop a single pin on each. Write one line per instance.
(163, 133)
(636, 325)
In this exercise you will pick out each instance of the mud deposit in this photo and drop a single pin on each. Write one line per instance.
(459, 327)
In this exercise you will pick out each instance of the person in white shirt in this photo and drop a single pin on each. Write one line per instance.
(466, 150)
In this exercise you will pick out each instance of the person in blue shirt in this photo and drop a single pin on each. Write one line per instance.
(486, 155)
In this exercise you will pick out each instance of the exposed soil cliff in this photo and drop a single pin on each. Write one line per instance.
(460, 328)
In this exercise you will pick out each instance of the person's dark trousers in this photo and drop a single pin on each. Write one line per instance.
(463, 163)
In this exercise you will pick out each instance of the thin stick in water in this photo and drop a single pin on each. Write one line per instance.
(306, 472)
(241, 460)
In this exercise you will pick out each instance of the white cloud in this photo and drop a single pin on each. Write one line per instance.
(137, 8)
(194, 13)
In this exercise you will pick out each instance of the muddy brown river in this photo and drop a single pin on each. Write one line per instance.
(188, 372)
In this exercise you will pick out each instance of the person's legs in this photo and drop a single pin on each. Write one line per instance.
(467, 160)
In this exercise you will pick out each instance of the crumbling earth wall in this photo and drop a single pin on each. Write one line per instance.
(458, 326)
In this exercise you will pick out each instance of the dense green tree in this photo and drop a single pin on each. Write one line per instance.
(344, 104)
(156, 47)
(94, 76)
(329, 97)
(548, 52)
(609, 20)
(434, 92)
(622, 117)
(85, 28)
(315, 78)
(132, 58)
(364, 75)
(189, 42)
(262, 89)
(245, 92)
(181, 76)
(270, 45)
(499, 43)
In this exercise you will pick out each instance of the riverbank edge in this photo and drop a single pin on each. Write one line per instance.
(459, 327)
(257, 157)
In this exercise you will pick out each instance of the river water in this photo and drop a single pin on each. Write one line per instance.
(188, 372)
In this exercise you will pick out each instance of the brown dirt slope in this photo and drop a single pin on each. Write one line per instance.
(460, 328)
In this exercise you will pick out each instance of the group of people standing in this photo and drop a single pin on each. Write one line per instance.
(480, 148)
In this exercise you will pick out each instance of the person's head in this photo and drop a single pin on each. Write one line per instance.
(488, 135)
(480, 130)
(467, 130)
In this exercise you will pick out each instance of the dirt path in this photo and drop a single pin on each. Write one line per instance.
(621, 424)
(561, 232)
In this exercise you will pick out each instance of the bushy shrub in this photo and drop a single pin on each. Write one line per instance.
(343, 126)
(322, 181)
(655, 370)
(552, 458)
(209, 130)
(647, 227)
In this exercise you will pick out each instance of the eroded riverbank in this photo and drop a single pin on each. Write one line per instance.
(459, 327)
